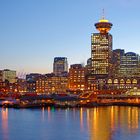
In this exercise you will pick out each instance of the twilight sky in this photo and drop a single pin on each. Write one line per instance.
(33, 32)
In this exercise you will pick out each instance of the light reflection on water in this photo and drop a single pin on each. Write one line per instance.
(99, 123)
(106, 122)
(4, 116)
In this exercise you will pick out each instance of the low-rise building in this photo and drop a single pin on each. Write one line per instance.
(21, 85)
(57, 84)
(76, 80)
(9, 75)
(31, 86)
(41, 84)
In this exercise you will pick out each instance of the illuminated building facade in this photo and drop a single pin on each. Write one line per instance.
(77, 77)
(89, 77)
(21, 85)
(9, 75)
(2, 87)
(122, 83)
(101, 56)
(56, 84)
(41, 84)
(31, 86)
(49, 83)
(31, 81)
(129, 65)
(101, 49)
(125, 71)
(60, 65)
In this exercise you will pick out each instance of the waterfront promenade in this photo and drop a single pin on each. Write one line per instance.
(67, 100)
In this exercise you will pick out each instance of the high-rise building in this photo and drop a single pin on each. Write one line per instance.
(101, 49)
(125, 71)
(129, 65)
(60, 65)
(116, 61)
(101, 56)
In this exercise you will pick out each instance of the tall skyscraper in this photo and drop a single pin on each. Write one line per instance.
(101, 49)
(60, 65)
(101, 56)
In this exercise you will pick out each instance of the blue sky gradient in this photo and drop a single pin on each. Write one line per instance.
(33, 32)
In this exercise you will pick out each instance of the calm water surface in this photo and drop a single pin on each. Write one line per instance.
(102, 123)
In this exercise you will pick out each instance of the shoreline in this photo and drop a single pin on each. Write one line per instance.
(90, 105)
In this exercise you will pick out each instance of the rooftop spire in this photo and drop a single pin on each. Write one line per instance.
(103, 13)
(103, 16)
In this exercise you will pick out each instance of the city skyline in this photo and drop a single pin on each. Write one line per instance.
(34, 32)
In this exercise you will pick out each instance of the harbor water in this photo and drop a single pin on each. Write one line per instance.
(98, 123)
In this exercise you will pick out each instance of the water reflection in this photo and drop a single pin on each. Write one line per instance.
(101, 123)
(104, 122)
(48, 111)
(49, 114)
(81, 119)
(133, 118)
(4, 116)
(88, 118)
(43, 116)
